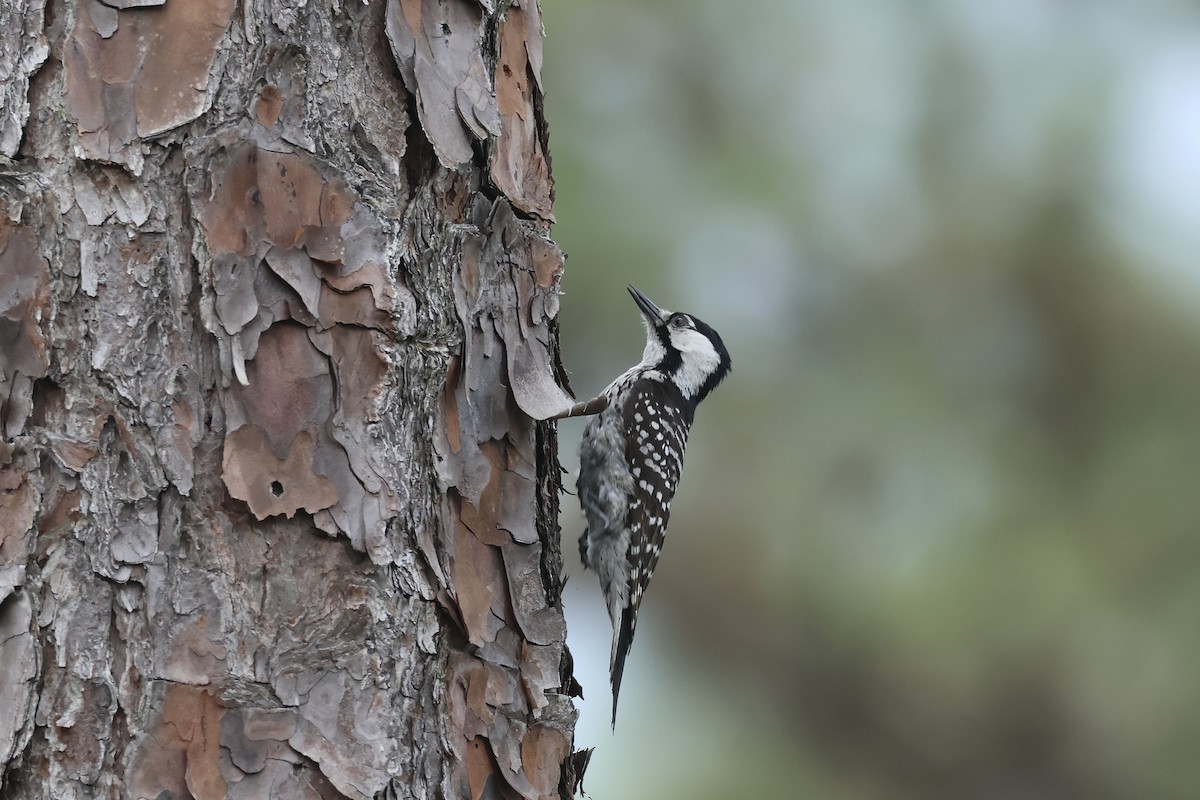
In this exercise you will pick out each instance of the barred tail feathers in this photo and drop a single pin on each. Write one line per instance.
(622, 641)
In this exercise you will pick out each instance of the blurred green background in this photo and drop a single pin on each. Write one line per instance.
(939, 534)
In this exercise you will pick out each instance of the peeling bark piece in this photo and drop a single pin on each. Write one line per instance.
(483, 518)
(177, 443)
(107, 194)
(291, 389)
(534, 35)
(151, 75)
(325, 243)
(477, 576)
(23, 48)
(133, 3)
(500, 689)
(540, 623)
(531, 378)
(477, 695)
(295, 267)
(462, 670)
(270, 485)
(481, 769)
(337, 729)
(199, 722)
(436, 45)
(359, 365)
(539, 673)
(18, 671)
(104, 17)
(505, 650)
(532, 382)
(287, 117)
(180, 44)
(181, 755)
(231, 214)
(518, 163)
(295, 197)
(137, 541)
(18, 505)
(356, 307)
(363, 264)
(463, 464)
(24, 302)
(366, 489)
(194, 651)
(543, 750)
(357, 515)
(18, 660)
(505, 736)
(248, 755)
(257, 744)
(503, 513)
(268, 724)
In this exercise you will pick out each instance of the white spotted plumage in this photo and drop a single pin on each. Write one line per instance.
(631, 459)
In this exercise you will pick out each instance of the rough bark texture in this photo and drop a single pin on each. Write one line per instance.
(277, 307)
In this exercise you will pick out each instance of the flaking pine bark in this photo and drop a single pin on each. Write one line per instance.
(277, 323)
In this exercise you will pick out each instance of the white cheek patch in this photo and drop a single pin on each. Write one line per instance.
(700, 359)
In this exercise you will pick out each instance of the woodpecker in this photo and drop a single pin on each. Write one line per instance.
(631, 458)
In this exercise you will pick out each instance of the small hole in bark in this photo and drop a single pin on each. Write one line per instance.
(276, 488)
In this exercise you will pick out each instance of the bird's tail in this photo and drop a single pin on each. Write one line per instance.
(622, 641)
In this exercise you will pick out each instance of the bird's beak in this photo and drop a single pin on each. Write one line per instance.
(653, 313)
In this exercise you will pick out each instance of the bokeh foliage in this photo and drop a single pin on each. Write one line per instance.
(939, 534)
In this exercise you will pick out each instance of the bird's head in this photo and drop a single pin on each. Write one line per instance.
(685, 349)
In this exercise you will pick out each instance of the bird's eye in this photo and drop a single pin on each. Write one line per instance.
(679, 321)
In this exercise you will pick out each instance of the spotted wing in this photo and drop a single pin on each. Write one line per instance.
(656, 423)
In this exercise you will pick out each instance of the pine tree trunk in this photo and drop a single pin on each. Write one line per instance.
(277, 305)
